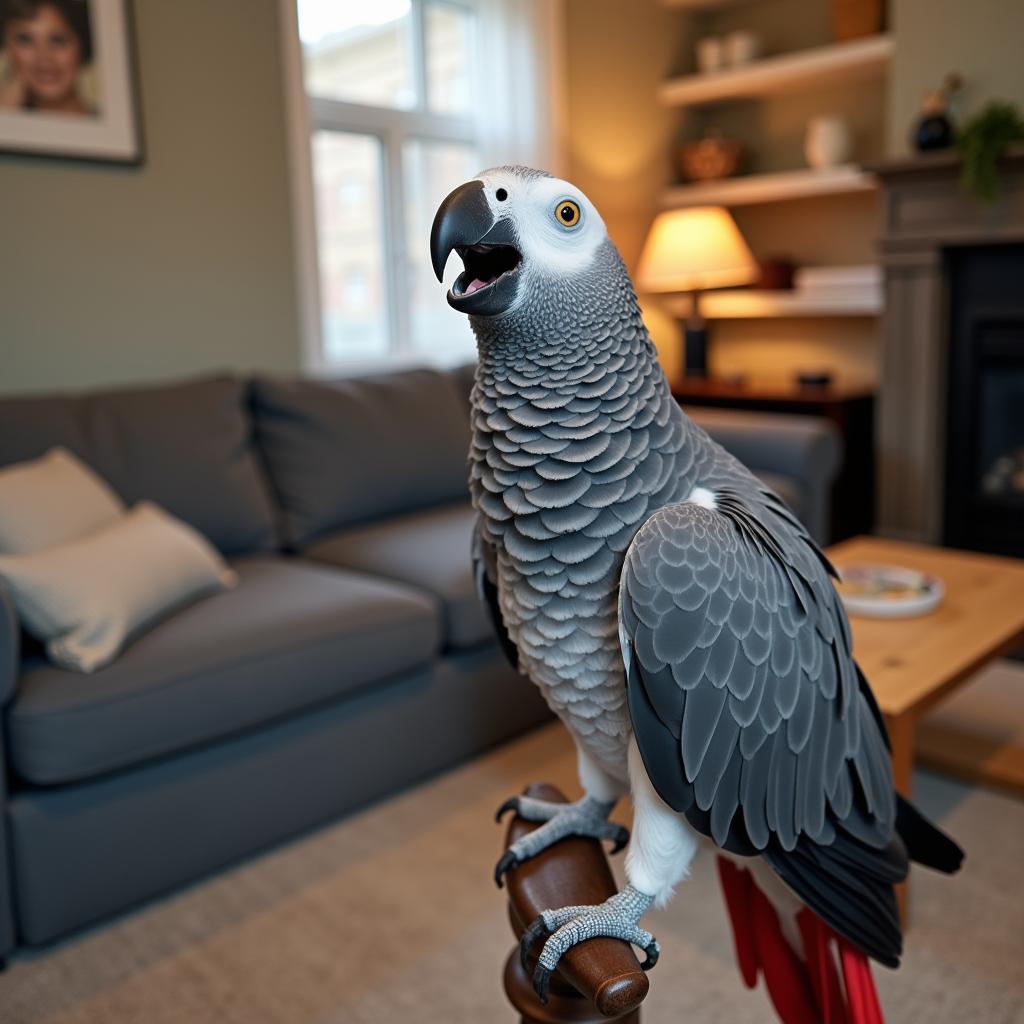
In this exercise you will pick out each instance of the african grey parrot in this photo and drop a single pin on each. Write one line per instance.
(674, 613)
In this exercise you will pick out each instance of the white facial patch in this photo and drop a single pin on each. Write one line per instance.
(703, 497)
(532, 205)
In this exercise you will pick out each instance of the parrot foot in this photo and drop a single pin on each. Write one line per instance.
(616, 918)
(586, 817)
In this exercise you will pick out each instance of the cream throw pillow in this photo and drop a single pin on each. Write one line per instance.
(86, 598)
(51, 500)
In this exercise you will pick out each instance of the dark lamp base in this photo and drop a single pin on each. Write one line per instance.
(696, 351)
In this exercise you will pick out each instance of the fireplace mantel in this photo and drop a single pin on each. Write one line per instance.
(924, 212)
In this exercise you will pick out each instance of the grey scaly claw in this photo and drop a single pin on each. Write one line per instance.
(616, 918)
(506, 863)
(536, 929)
(586, 817)
(619, 837)
(511, 804)
(545, 923)
(542, 983)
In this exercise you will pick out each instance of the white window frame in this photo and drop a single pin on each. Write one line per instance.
(393, 127)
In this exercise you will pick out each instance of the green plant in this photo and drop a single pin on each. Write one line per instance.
(982, 142)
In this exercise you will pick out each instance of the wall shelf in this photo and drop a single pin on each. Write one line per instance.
(701, 5)
(745, 190)
(859, 58)
(749, 304)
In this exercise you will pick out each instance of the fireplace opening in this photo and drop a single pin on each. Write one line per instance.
(984, 480)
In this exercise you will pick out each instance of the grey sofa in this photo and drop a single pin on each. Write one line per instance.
(352, 659)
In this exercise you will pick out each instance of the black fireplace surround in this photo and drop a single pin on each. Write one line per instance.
(984, 478)
(948, 424)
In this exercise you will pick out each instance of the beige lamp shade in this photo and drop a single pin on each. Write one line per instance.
(693, 249)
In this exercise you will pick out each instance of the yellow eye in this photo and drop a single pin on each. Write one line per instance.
(567, 213)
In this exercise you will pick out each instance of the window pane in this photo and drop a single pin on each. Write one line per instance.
(431, 171)
(347, 177)
(449, 44)
(358, 51)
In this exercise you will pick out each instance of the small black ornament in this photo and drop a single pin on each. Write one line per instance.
(933, 131)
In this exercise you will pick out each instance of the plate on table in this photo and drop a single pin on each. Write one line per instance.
(888, 591)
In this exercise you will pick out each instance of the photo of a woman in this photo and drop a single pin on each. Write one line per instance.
(45, 54)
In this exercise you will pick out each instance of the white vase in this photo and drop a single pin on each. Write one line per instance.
(827, 142)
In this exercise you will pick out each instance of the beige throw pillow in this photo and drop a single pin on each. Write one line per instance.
(51, 500)
(86, 598)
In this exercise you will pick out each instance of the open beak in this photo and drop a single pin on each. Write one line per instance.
(487, 246)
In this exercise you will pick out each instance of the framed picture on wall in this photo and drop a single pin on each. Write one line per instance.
(67, 80)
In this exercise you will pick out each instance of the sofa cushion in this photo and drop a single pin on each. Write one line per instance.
(52, 500)
(187, 447)
(357, 450)
(290, 635)
(31, 425)
(86, 599)
(786, 488)
(430, 549)
(464, 377)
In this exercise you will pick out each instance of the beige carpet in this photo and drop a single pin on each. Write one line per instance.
(391, 916)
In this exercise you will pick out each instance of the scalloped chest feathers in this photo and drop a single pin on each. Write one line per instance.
(568, 460)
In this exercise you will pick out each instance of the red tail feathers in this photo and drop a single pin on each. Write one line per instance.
(803, 991)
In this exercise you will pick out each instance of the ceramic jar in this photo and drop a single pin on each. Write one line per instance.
(827, 142)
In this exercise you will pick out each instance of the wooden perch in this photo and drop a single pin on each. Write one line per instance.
(598, 980)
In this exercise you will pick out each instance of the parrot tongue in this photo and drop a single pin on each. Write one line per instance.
(475, 285)
(484, 265)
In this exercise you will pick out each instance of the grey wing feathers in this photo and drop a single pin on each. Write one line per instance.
(746, 702)
(485, 579)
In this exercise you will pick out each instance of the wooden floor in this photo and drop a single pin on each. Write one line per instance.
(978, 734)
(392, 916)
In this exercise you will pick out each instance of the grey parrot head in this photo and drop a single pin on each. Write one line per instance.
(522, 235)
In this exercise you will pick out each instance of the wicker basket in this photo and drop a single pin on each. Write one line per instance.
(853, 19)
(709, 159)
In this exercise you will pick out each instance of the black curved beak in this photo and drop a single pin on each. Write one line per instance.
(488, 248)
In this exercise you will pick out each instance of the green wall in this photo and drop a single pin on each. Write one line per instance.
(981, 39)
(183, 265)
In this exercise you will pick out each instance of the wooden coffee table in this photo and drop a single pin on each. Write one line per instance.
(912, 664)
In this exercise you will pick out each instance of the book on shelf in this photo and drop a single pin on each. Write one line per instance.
(837, 279)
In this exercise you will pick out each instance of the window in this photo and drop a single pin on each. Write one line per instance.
(393, 104)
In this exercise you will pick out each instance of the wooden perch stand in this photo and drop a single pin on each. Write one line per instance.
(598, 980)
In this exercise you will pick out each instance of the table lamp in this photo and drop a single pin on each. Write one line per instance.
(691, 250)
